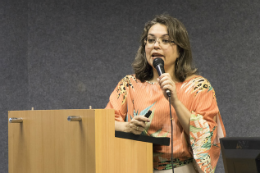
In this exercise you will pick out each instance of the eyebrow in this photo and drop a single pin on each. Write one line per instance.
(162, 35)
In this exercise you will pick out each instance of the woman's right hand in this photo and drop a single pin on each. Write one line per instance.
(137, 125)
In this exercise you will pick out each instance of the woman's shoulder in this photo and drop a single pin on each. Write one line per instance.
(196, 84)
(129, 78)
(194, 79)
(128, 81)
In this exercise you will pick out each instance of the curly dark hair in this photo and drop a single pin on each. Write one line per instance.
(178, 33)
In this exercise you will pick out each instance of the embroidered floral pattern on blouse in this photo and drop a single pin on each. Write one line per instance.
(200, 138)
(125, 83)
(198, 85)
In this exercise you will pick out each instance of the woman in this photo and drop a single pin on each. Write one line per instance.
(197, 124)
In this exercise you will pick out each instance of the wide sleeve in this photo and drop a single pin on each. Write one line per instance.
(118, 100)
(206, 127)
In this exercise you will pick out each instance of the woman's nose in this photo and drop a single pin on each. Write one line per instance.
(157, 44)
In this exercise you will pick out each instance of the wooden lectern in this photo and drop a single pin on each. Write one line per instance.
(72, 141)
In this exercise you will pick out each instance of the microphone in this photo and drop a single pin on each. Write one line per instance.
(158, 64)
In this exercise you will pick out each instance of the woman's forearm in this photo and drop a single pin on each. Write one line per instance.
(183, 115)
(121, 126)
(136, 125)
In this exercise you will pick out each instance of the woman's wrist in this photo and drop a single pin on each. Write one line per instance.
(175, 102)
(122, 126)
(126, 127)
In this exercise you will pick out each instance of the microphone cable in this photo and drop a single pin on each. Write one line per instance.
(171, 134)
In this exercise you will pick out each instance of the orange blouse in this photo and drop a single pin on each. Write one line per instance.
(132, 97)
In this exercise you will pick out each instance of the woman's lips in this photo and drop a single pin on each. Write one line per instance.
(157, 56)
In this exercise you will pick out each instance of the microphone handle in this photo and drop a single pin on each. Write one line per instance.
(160, 70)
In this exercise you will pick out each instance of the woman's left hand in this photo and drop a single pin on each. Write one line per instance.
(166, 82)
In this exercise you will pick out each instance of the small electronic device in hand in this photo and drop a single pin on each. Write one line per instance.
(148, 114)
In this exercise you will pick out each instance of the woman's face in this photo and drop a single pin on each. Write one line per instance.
(168, 53)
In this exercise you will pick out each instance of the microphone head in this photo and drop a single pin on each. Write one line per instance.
(158, 61)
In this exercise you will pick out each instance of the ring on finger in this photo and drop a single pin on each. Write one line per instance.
(137, 128)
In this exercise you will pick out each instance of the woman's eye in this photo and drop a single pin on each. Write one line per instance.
(150, 40)
(165, 41)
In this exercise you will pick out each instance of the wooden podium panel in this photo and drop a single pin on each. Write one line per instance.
(139, 156)
(46, 142)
